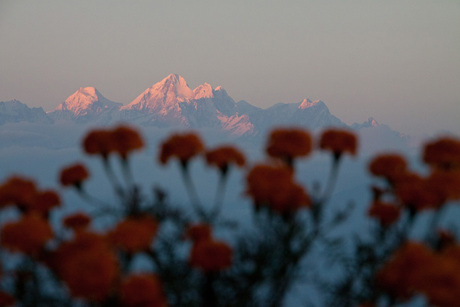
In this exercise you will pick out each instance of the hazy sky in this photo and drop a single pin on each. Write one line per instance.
(395, 60)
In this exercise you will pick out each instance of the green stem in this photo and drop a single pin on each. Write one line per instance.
(129, 178)
(331, 182)
(195, 202)
(112, 178)
(91, 199)
(219, 198)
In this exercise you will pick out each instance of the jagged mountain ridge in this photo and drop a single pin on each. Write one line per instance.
(85, 105)
(172, 103)
(14, 111)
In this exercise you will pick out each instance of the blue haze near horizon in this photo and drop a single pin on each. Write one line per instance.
(396, 61)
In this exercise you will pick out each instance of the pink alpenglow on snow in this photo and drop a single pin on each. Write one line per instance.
(87, 99)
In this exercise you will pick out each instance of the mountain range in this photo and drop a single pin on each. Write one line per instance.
(172, 103)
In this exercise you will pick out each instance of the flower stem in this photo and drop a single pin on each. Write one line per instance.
(332, 180)
(219, 198)
(112, 178)
(195, 201)
(129, 178)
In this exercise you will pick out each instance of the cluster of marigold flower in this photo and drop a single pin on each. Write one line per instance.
(91, 265)
(429, 266)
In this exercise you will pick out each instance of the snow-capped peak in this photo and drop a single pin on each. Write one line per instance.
(84, 99)
(81, 99)
(307, 103)
(164, 94)
(89, 91)
(372, 122)
(203, 91)
(172, 87)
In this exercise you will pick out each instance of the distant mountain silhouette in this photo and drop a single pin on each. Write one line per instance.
(171, 103)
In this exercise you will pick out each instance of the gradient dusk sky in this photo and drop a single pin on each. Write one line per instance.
(395, 60)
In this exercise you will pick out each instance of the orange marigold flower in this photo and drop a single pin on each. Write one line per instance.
(440, 281)
(74, 175)
(134, 234)
(82, 241)
(443, 153)
(385, 213)
(91, 274)
(211, 256)
(289, 199)
(338, 142)
(288, 144)
(223, 156)
(182, 146)
(274, 186)
(27, 235)
(142, 290)
(99, 142)
(388, 166)
(6, 299)
(17, 191)
(198, 232)
(77, 221)
(402, 274)
(262, 179)
(452, 250)
(87, 266)
(125, 140)
(44, 201)
(416, 193)
(447, 184)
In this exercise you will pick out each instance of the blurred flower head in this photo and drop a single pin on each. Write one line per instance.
(27, 235)
(443, 153)
(87, 266)
(121, 140)
(134, 234)
(17, 191)
(224, 156)
(23, 194)
(274, 186)
(126, 139)
(198, 232)
(181, 146)
(388, 166)
(142, 290)
(43, 202)
(401, 275)
(440, 282)
(446, 184)
(338, 141)
(99, 142)
(287, 144)
(417, 193)
(211, 256)
(77, 221)
(74, 175)
(386, 213)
